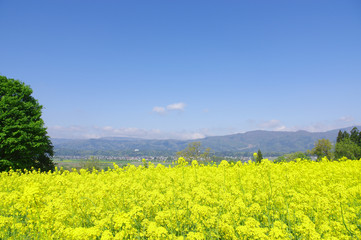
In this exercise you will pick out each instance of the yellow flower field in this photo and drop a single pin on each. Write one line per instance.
(296, 200)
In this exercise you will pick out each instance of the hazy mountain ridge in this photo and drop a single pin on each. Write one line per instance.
(267, 141)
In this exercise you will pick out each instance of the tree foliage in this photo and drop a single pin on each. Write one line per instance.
(339, 136)
(355, 136)
(23, 138)
(90, 163)
(347, 148)
(258, 156)
(292, 157)
(348, 144)
(323, 148)
(194, 152)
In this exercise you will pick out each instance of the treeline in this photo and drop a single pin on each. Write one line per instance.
(245, 154)
(347, 145)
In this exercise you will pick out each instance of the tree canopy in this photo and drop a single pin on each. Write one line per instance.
(292, 157)
(322, 148)
(259, 156)
(23, 138)
(348, 144)
(194, 152)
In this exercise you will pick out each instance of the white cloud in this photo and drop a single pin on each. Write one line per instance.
(196, 136)
(159, 109)
(346, 119)
(327, 125)
(176, 106)
(321, 126)
(71, 132)
(171, 107)
(274, 125)
(107, 131)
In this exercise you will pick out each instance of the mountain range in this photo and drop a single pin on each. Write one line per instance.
(276, 142)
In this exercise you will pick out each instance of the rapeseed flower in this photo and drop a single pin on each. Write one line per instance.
(296, 200)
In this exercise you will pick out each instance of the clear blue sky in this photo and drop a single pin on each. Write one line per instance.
(186, 69)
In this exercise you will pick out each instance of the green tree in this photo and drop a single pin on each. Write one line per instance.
(292, 156)
(345, 135)
(90, 163)
(355, 135)
(347, 148)
(339, 136)
(194, 152)
(23, 138)
(322, 149)
(259, 156)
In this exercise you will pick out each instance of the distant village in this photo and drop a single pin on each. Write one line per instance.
(148, 158)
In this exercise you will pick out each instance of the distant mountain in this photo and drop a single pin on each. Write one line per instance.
(267, 141)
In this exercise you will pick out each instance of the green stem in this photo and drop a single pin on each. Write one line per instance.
(344, 223)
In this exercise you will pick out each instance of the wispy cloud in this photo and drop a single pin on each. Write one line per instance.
(71, 132)
(159, 110)
(321, 126)
(346, 119)
(274, 124)
(176, 106)
(108, 131)
(326, 126)
(171, 107)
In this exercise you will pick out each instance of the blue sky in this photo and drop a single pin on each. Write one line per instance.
(185, 69)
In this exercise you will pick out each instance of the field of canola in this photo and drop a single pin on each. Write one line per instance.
(296, 200)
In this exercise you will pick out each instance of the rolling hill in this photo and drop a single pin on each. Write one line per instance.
(267, 141)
